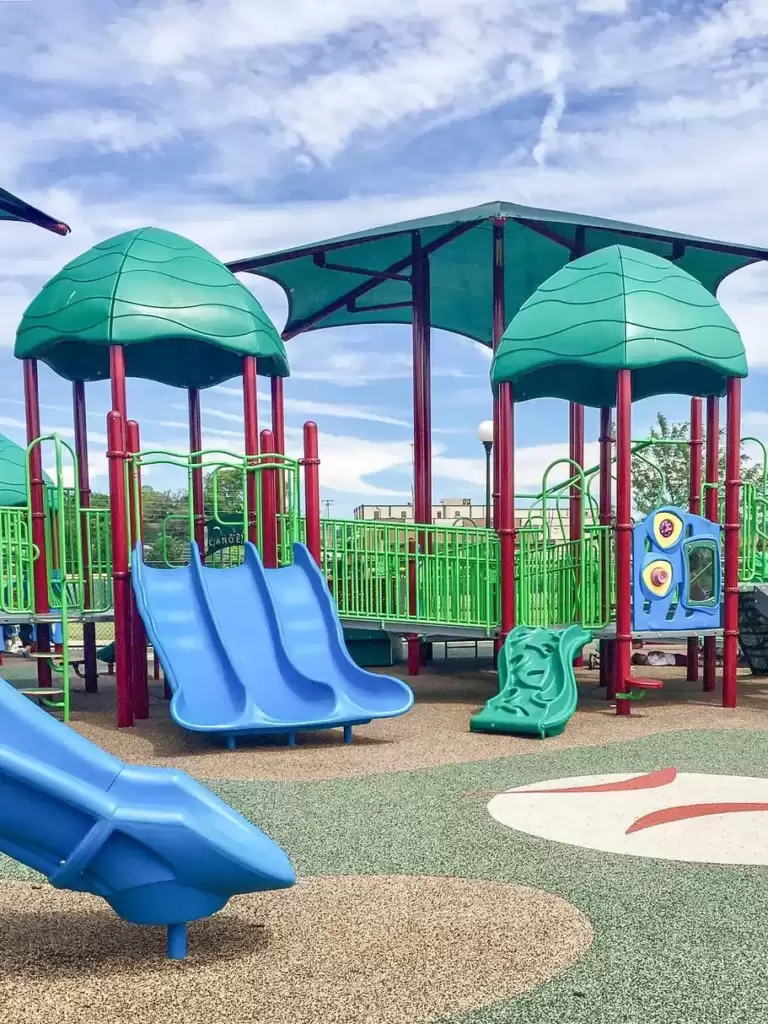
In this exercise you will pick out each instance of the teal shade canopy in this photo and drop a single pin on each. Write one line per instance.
(13, 474)
(364, 278)
(619, 308)
(183, 318)
(13, 208)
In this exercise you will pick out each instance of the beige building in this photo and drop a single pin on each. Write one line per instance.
(462, 512)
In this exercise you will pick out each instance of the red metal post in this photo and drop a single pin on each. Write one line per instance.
(134, 505)
(576, 504)
(278, 414)
(37, 503)
(605, 500)
(120, 578)
(623, 537)
(498, 326)
(422, 427)
(694, 506)
(506, 515)
(311, 464)
(732, 524)
(278, 431)
(268, 503)
(91, 671)
(196, 446)
(712, 512)
(504, 448)
(251, 422)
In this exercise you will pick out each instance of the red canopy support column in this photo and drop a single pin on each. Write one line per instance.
(422, 413)
(732, 526)
(576, 503)
(311, 464)
(694, 506)
(623, 659)
(278, 433)
(605, 503)
(712, 512)
(91, 671)
(251, 423)
(499, 323)
(196, 445)
(37, 503)
(269, 503)
(278, 414)
(116, 453)
(138, 656)
(504, 447)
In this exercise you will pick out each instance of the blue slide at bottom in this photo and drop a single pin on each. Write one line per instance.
(251, 650)
(156, 845)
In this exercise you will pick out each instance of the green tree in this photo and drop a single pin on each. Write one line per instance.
(229, 491)
(660, 472)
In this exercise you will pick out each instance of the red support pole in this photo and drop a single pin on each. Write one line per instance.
(732, 524)
(196, 446)
(138, 659)
(504, 447)
(605, 501)
(120, 578)
(623, 667)
(90, 666)
(251, 422)
(311, 464)
(712, 512)
(278, 431)
(694, 506)
(576, 504)
(268, 503)
(498, 326)
(278, 414)
(39, 580)
(422, 429)
(506, 516)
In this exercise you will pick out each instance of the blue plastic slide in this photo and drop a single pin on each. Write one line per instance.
(252, 650)
(159, 847)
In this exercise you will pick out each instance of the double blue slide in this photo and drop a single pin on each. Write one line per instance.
(250, 650)
(245, 650)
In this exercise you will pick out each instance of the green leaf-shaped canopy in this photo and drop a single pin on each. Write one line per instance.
(13, 474)
(183, 317)
(619, 308)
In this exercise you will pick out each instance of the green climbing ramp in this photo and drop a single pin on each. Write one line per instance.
(537, 687)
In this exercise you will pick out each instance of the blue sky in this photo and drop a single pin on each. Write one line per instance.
(251, 125)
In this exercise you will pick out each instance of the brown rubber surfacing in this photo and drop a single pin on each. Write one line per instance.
(385, 950)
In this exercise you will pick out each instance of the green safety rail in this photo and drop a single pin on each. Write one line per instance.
(235, 520)
(393, 572)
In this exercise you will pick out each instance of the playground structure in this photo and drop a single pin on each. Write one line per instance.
(420, 580)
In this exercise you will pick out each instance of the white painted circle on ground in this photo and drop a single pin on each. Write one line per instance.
(711, 819)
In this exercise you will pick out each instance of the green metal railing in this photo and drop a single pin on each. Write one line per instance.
(233, 521)
(392, 572)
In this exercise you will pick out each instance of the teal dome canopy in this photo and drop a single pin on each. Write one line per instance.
(183, 317)
(619, 308)
(13, 474)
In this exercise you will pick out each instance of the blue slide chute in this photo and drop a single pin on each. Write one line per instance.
(250, 650)
(160, 848)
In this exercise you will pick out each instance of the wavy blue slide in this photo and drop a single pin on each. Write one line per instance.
(156, 845)
(251, 650)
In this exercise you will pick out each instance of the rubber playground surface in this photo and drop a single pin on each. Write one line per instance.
(426, 894)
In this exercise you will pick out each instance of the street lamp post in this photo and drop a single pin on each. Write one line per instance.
(485, 434)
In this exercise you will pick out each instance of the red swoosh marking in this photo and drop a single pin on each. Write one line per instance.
(652, 780)
(669, 814)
